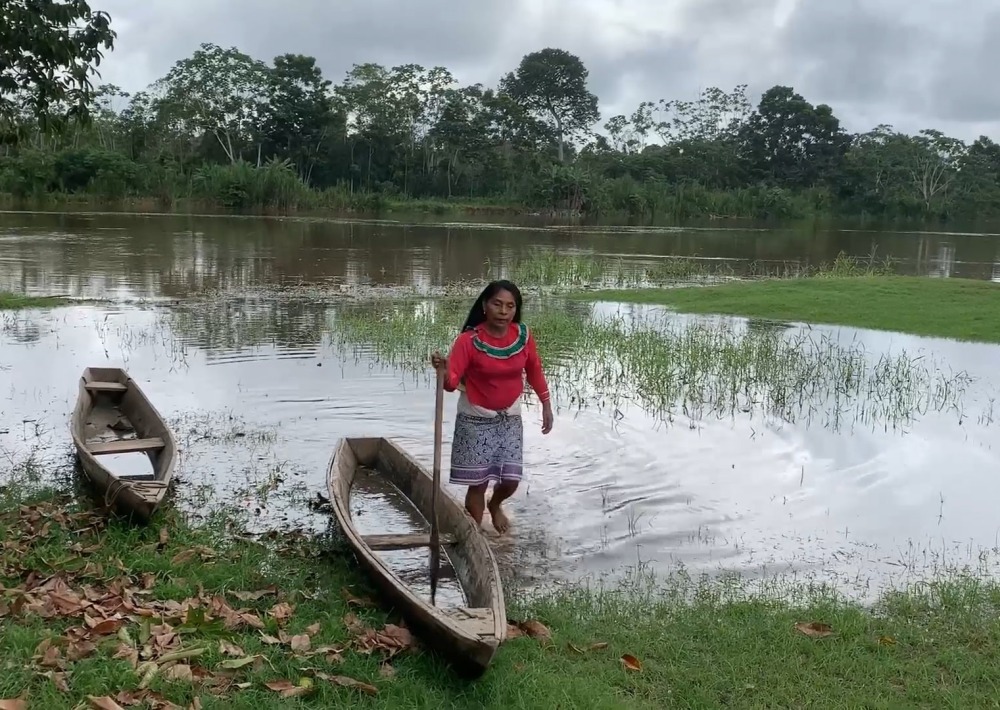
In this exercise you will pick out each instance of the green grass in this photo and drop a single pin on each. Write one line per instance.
(13, 301)
(698, 644)
(962, 309)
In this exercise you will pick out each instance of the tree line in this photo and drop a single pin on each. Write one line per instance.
(224, 126)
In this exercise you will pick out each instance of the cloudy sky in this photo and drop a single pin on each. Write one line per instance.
(910, 63)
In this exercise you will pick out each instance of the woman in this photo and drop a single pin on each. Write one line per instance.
(488, 362)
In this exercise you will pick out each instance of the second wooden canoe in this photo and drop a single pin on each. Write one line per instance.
(468, 636)
(114, 416)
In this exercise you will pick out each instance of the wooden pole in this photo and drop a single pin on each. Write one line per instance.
(435, 544)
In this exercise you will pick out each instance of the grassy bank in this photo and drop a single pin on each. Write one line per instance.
(93, 609)
(13, 301)
(949, 308)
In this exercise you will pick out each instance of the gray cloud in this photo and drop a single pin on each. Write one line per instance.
(914, 65)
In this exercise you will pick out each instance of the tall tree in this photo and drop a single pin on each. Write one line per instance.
(789, 142)
(299, 118)
(48, 52)
(552, 83)
(221, 92)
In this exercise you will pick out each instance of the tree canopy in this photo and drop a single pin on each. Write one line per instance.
(48, 53)
(535, 138)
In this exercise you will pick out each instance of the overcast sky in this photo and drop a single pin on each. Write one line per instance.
(910, 63)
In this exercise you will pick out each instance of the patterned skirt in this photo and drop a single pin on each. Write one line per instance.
(486, 449)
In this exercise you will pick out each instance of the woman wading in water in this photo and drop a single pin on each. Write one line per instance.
(488, 363)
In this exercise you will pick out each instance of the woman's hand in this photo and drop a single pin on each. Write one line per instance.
(439, 362)
(547, 418)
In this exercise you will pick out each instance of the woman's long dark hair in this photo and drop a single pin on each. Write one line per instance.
(477, 314)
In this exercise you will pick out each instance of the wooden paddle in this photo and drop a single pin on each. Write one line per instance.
(435, 544)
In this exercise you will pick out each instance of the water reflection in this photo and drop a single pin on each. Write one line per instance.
(175, 256)
(258, 394)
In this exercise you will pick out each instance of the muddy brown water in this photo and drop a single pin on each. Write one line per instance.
(258, 393)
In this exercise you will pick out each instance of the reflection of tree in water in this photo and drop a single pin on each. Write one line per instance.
(944, 262)
(236, 324)
(767, 325)
(403, 333)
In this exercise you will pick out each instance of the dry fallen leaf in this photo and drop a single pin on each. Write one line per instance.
(345, 682)
(238, 662)
(631, 662)
(531, 628)
(13, 704)
(105, 628)
(282, 611)
(230, 649)
(104, 703)
(399, 634)
(392, 639)
(252, 620)
(814, 629)
(354, 625)
(300, 643)
(182, 557)
(313, 629)
(51, 658)
(270, 640)
(886, 641)
(78, 651)
(180, 672)
(599, 646)
(287, 689)
(254, 596)
(353, 600)
(59, 680)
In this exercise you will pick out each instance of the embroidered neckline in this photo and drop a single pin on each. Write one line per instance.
(505, 352)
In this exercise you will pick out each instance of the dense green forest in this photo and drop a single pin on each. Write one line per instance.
(236, 131)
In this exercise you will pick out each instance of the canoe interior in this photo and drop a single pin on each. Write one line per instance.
(399, 533)
(120, 437)
(469, 627)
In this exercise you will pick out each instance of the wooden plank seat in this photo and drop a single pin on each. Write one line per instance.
(105, 386)
(125, 446)
(404, 542)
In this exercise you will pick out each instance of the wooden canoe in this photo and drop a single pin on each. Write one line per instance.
(114, 416)
(468, 636)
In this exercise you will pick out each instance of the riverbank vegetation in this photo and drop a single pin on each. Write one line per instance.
(95, 611)
(963, 309)
(14, 301)
(236, 132)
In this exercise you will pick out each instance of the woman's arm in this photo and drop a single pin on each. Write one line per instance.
(533, 370)
(458, 362)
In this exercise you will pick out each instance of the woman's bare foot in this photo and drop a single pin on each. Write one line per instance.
(500, 521)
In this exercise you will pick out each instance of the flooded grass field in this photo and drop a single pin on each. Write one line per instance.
(706, 444)
(711, 444)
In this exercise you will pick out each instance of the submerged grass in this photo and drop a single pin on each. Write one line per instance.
(948, 308)
(554, 272)
(696, 368)
(709, 368)
(92, 608)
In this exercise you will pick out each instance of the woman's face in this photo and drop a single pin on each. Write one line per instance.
(500, 309)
